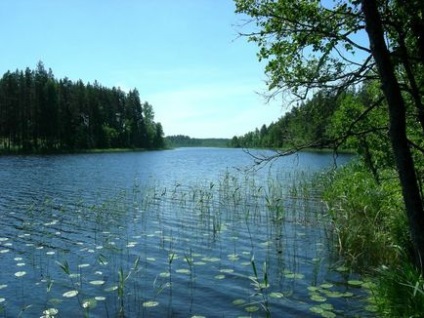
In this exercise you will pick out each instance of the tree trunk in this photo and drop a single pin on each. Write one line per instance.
(397, 131)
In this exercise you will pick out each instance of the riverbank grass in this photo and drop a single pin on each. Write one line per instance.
(371, 234)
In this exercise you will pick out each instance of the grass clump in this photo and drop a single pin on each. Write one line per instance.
(371, 232)
(368, 218)
(399, 291)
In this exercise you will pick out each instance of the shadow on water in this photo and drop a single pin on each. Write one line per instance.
(238, 245)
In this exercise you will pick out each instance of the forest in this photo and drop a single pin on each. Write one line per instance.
(186, 141)
(39, 113)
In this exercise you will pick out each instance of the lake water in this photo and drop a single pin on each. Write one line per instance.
(190, 232)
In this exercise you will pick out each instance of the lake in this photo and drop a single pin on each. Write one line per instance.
(190, 232)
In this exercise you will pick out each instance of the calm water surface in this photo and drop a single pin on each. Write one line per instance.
(190, 232)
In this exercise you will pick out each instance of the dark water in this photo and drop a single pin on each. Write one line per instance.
(181, 233)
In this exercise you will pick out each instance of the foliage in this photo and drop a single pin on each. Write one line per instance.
(400, 291)
(40, 113)
(305, 124)
(186, 141)
(368, 218)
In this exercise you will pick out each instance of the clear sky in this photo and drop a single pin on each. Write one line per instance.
(184, 57)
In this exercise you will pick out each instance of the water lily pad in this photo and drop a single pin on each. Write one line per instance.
(312, 288)
(316, 309)
(239, 302)
(151, 303)
(342, 269)
(164, 274)
(50, 312)
(276, 295)
(318, 298)
(227, 270)
(199, 263)
(326, 286)
(112, 288)
(294, 275)
(211, 259)
(97, 282)
(89, 303)
(354, 282)
(327, 306)
(252, 308)
(70, 294)
(328, 314)
(20, 274)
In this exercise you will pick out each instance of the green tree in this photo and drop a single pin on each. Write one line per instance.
(310, 45)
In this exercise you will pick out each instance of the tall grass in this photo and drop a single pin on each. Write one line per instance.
(371, 234)
(368, 218)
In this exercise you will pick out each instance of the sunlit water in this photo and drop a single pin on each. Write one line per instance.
(181, 233)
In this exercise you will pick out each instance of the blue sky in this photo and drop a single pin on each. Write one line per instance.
(184, 57)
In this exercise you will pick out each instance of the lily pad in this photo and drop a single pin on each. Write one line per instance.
(151, 303)
(318, 298)
(252, 308)
(276, 295)
(239, 302)
(89, 303)
(70, 294)
(50, 312)
(20, 274)
(97, 282)
(183, 271)
(354, 282)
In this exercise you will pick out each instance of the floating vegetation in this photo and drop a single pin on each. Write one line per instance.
(219, 276)
(239, 302)
(97, 282)
(20, 273)
(70, 294)
(89, 303)
(252, 309)
(290, 275)
(151, 303)
(50, 313)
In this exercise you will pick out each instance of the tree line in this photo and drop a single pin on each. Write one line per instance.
(39, 113)
(305, 124)
(186, 141)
